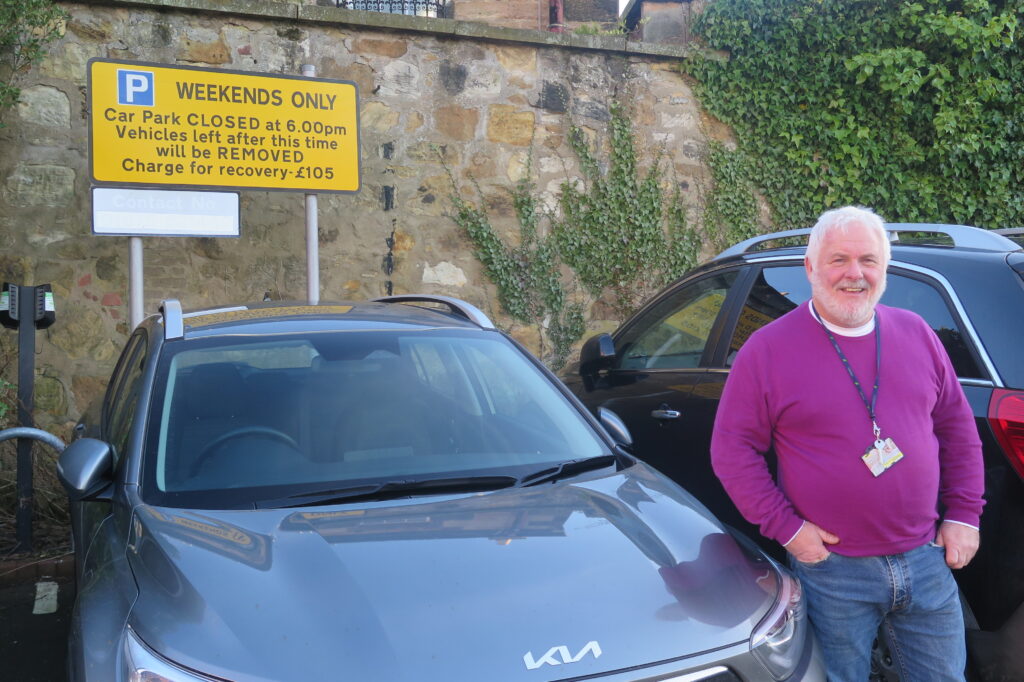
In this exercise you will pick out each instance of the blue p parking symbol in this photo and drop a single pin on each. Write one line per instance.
(135, 87)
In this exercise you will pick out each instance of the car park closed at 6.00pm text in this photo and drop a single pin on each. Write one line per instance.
(179, 125)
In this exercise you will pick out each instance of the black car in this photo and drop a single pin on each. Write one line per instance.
(664, 369)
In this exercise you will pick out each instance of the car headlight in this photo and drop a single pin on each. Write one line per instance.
(778, 640)
(142, 664)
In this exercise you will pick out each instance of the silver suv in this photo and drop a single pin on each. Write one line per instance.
(385, 491)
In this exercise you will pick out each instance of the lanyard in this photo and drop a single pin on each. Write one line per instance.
(878, 370)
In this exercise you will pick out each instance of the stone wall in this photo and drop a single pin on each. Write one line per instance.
(437, 97)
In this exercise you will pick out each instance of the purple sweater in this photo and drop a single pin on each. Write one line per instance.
(788, 389)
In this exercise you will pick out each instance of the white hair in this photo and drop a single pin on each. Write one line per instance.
(841, 219)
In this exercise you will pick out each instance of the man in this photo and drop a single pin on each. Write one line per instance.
(874, 439)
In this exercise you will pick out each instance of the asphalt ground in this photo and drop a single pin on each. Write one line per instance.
(35, 610)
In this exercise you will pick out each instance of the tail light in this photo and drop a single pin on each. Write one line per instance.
(1006, 416)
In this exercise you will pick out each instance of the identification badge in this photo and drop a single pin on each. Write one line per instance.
(881, 456)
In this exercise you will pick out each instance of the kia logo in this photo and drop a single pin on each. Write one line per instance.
(557, 655)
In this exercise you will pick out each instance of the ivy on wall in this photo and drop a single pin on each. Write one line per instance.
(620, 236)
(527, 275)
(26, 27)
(620, 231)
(913, 108)
(730, 210)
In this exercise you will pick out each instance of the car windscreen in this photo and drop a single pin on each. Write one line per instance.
(239, 419)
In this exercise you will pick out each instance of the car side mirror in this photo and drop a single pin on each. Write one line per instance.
(597, 353)
(84, 467)
(615, 427)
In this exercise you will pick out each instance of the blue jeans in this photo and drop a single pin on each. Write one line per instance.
(912, 595)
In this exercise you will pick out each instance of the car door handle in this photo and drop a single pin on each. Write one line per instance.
(664, 412)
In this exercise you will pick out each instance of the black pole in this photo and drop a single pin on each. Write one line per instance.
(26, 404)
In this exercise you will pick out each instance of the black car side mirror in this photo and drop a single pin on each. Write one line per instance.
(84, 468)
(597, 353)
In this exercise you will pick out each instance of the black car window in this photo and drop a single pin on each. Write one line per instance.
(775, 292)
(123, 398)
(925, 300)
(673, 333)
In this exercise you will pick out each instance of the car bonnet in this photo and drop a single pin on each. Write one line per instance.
(590, 575)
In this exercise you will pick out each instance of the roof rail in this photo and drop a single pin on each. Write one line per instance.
(461, 308)
(174, 322)
(748, 245)
(961, 235)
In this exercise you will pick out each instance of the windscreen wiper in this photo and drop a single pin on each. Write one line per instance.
(567, 468)
(390, 489)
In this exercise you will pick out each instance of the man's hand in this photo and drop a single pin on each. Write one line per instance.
(961, 543)
(809, 543)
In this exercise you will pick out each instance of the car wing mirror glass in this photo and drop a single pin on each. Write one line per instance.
(84, 467)
(597, 353)
(615, 427)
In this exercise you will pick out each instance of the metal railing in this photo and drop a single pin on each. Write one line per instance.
(23, 515)
(416, 8)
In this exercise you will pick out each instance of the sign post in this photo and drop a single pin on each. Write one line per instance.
(312, 232)
(156, 212)
(154, 125)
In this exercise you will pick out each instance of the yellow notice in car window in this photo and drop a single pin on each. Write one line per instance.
(750, 321)
(696, 319)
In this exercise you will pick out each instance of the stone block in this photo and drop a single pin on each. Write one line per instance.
(67, 61)
(505, 125)
(515, 59)
(481, 167)
(360, 74)
(214, 52)
(431, 152)
(680, 120)
(378, 117)
(518, 166)
(40, 185)
(457, 123)
(554, 97)
(111, 267)
(528, 335)
(80, 333)
(403, 242)
(50, 396)
(45, 105)
(592, 110)
(483, 81)
(400, 79)
(429, 197)
(94, 28)
(445, 274)
(453, 77)
(380, 47)
(413, 122)
(87, 389)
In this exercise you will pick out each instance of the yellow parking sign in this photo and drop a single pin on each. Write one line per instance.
(152, 124)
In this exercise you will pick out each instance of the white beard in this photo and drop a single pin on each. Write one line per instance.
(845, 313)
